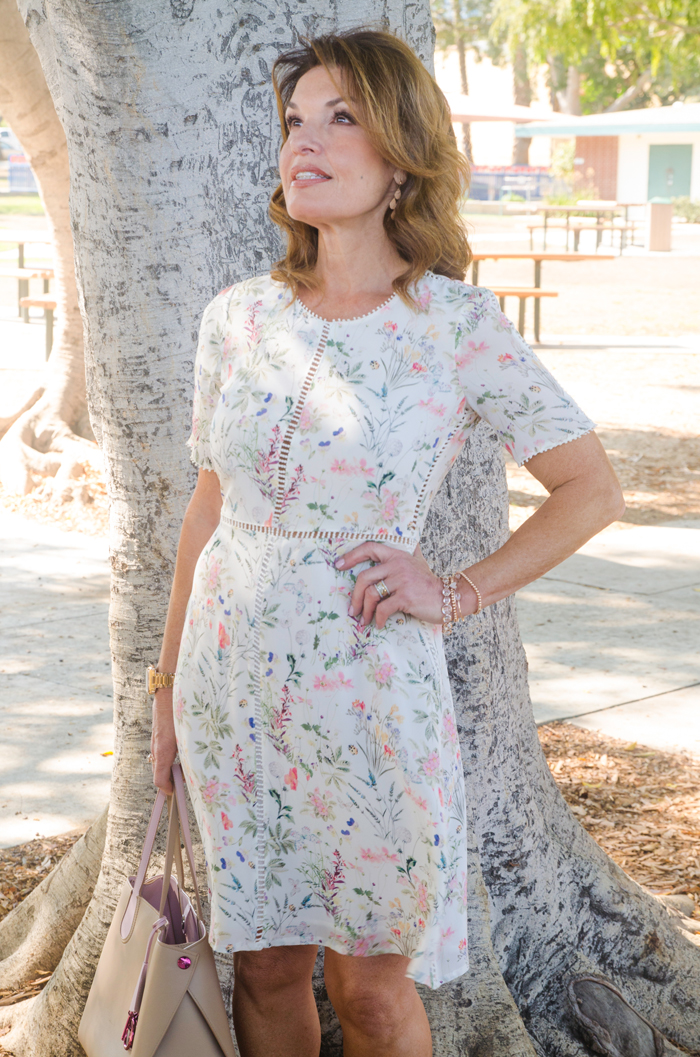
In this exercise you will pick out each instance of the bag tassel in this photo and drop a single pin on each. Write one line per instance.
(131, 1021)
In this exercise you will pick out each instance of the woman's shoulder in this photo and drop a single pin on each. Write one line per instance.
(255, 292)
(456, 297)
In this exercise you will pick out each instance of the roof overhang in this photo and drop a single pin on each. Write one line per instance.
(465, 108)
(682, 118)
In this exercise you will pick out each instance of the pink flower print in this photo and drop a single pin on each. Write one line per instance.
(422, 897)
(370, 855)
(389, 507)
(358, 706)
(506, 357)
(179, 705)
(391, 327)
(341, 466)
(291, 779)
(383, 672)
(466, 356)
(305, 421)
(450, 728)
(228, 824)
(322, 682)
(431, 764)
(224, 638)
(322, 804)
(211, 790)
(213, 574)
(434, 408)
(418, 368)
(361, 948)
(424, 299)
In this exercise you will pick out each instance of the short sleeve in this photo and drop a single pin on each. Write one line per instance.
(207, 384)
(506, 384)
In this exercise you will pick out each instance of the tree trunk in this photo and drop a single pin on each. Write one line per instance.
(463, 79)
(51, 436)
(522, 96)
(173, 140)
(570, 99)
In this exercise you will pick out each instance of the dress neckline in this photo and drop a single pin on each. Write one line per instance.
(346, 319)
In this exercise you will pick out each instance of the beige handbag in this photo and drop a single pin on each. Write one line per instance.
(156, 991)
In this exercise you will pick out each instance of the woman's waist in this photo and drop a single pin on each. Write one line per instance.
(321, 531)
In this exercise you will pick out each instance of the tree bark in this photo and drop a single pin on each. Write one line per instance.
(522, 96)
(173, 141)
(570, 99)
(640, 86)
(463, 79)
(34, 935)
(51, 435)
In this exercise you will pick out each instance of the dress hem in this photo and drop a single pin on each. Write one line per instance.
(232, 949)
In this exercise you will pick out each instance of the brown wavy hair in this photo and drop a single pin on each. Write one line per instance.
(408, 122)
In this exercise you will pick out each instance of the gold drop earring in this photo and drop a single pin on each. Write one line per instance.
(397, 195)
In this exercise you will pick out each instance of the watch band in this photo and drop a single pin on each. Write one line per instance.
(156, 680)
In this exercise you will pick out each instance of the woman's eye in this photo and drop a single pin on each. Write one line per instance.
(291, 121)
(344, 116)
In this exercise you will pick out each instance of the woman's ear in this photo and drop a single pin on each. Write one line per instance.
(400, 176)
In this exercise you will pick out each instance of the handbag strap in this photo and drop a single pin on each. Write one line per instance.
(181, 815)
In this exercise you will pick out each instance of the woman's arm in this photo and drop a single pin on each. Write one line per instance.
(201, 518)
(584, 497)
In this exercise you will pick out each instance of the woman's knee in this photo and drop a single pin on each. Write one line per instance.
(374, 1002)
(268, 972)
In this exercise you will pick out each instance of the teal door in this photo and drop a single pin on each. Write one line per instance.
(669, 170)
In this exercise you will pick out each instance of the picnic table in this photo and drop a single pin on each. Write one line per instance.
(23, 237)
(537, 259)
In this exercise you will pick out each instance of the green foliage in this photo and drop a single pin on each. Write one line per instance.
(465, 20)
(686, 207)
(611, 42)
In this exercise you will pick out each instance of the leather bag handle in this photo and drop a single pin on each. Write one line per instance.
(151, 831)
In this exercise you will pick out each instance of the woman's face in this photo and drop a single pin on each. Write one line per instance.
(330, 171)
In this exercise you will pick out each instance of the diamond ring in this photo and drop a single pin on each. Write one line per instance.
(382, 590)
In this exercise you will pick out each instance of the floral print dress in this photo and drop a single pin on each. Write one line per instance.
(322, 757)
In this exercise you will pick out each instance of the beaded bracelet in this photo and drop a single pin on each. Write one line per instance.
(450, 601)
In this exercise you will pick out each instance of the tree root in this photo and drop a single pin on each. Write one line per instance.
(40, 445)
(34, 935)
(9, 420)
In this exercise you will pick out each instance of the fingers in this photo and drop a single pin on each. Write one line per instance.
(364, 590)
(366, 552)
(162, 778)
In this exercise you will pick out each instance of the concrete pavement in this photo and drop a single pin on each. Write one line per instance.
(55, 679)
(613, 636)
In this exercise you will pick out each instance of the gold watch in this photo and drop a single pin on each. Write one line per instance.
(156, 680)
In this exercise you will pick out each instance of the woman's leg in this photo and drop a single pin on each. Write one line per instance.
(274, 1012)
(379, 1009)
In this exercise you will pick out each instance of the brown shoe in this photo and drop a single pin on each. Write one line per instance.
(609, 1024)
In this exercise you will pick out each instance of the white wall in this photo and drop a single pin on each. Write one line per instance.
(633, 163)
(492, 141)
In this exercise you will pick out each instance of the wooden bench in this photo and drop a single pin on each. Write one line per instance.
(522, 293)
(579, 224)
(49, 306)
(23, 275)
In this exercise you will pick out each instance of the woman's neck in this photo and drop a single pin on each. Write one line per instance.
(356, 269)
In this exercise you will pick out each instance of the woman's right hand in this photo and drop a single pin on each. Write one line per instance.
(163, 739)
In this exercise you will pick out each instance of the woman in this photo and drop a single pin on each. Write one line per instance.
(312, 706)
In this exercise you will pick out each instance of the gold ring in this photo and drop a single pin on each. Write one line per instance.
(151, 758)
(382, 590)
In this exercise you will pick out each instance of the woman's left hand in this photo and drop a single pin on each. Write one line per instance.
(413, 587)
